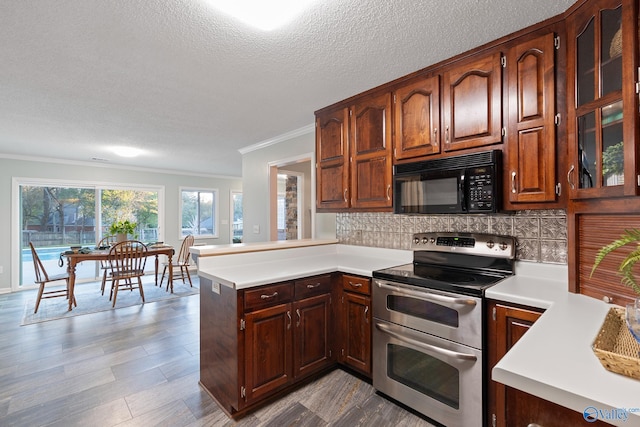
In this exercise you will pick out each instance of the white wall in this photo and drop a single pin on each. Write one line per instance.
(255, 186)
(10, 168)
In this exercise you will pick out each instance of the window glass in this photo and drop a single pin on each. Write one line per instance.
(199, 210)
(54, 217)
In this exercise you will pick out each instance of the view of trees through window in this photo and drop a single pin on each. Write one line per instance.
(54, 218)
(199, 212)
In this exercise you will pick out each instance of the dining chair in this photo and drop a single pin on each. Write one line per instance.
(181, 263)
(126, 262)
(105, 242)
(42, 278)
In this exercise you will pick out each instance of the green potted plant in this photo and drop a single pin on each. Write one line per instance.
(625, 269)
(122, 229)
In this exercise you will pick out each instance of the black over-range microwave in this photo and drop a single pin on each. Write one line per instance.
(461, 184)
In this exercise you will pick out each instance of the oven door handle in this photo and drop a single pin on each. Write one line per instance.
(428, 295)
(449, 354)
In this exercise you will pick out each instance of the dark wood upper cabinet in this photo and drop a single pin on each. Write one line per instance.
(332, 159)
(472, 103)
(602, 100)
(371, 161)
(416, 106)
(353, 151)
(531, 150)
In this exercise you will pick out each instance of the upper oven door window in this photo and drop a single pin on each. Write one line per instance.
(429, 192)
(422, 309)
(451, 316)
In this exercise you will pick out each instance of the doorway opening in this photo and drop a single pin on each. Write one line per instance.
(291, 199)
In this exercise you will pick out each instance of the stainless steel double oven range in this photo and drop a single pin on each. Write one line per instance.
(428, 324)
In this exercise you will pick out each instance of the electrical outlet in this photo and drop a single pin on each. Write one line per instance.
(256, 229)
(215, 288)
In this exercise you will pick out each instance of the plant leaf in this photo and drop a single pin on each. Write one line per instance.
(625, 269)
(629, 236)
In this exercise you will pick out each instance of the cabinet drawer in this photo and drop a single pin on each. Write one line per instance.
(361, 285)
(315, 285)
(268, 295)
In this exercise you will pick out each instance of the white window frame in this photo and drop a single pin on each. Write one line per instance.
(16, 234)
(216, 212)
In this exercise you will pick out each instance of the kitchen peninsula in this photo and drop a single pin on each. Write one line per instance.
(275, 314)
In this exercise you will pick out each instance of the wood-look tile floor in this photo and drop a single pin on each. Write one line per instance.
(139, 366)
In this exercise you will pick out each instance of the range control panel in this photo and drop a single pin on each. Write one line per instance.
(494, 245)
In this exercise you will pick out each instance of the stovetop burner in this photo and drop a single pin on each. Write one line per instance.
(466, 263)
(437, 277)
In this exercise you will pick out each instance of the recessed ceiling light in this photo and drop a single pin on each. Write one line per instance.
(123, 151)
(262, 14)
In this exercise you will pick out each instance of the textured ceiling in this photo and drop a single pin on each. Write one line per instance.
(190, 86)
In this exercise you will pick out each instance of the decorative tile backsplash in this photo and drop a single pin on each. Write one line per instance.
(541, 234)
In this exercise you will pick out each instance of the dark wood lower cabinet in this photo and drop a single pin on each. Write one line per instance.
(268, 346)
(312, 341)
(355, 350)
(259, 342)
(509, 407)
(357, 331)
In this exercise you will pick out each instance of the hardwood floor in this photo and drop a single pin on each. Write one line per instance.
(139, 366)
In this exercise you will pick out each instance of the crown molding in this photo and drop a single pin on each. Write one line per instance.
(278, 139)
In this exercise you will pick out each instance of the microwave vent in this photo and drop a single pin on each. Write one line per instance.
(456, 162)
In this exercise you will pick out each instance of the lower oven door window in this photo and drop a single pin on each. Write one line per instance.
(424, 373)
(437, 377)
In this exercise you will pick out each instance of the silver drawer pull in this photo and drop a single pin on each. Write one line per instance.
(355, 285)
(313, 286)
(273, 295)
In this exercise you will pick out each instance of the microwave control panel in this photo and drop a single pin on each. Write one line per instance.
(482, 189)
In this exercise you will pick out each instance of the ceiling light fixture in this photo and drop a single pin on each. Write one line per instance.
(126, 151)
(262, 14)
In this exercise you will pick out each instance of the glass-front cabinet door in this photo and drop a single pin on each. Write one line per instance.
(602, 99)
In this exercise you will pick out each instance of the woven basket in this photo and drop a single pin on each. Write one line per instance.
(616, 348)
(615, 49)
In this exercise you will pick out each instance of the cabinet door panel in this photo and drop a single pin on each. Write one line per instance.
(371, 163)
(417, 118)
(332, 153)
(531, 146)
(472, 102)
(370, 129)
(268, 341)
(371, 187)
(603, 115)
(311, 338)
(357, 337)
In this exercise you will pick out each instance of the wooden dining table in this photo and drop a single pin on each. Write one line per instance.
(74, 259)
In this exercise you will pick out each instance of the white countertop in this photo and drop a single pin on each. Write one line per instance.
(554, 359)
(248, 269)
(236, 248)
